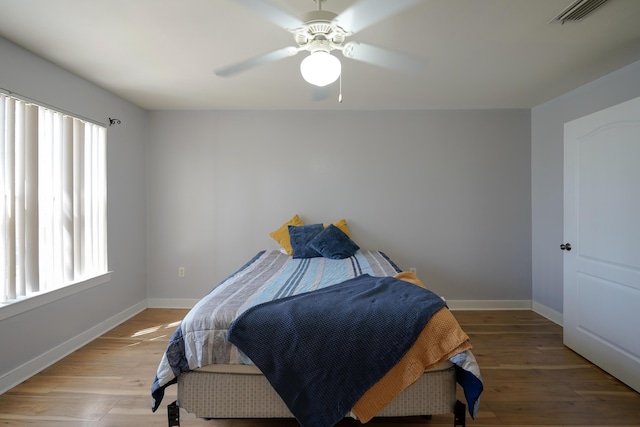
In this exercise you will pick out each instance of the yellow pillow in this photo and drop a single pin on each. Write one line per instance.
(342, 225)
(281, 235)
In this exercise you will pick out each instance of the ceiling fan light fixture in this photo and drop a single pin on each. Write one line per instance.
(320, 68)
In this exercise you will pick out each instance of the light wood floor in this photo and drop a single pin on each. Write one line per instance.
(531, 379)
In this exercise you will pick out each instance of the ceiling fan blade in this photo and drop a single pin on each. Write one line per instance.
(273, 13)
(383, 57)
(256, 61)
(365, 13)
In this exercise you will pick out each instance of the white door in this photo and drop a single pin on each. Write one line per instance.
(602, 227)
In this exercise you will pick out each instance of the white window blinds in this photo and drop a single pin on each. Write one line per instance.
(53, 213)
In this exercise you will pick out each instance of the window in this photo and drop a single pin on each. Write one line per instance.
(53, 222)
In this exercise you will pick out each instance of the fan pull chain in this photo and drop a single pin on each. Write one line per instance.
(340, 94)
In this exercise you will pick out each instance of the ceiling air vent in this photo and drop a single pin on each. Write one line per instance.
(578, 10)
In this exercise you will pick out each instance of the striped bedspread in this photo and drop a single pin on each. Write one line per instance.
(200, 339)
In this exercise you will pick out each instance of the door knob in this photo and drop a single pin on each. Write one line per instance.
(565, 246)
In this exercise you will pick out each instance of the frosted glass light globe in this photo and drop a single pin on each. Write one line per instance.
(320, 68)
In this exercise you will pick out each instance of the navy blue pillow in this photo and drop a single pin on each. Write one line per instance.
(300, 236)
(333, 243)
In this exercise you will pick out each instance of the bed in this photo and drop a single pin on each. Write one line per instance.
(318, 338)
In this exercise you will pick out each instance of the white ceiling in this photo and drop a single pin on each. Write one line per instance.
(161, 54)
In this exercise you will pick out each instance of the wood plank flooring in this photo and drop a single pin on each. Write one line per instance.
(531, 379)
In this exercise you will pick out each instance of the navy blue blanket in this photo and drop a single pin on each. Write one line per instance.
(322, 350)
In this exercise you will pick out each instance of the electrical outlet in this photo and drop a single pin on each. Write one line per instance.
(413, 270)
(181, 272)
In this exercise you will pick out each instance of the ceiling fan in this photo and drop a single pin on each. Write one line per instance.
(320, 32)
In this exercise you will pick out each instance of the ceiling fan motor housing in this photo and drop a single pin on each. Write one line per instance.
(319, 32)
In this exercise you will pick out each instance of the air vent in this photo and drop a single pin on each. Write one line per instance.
(578, 10)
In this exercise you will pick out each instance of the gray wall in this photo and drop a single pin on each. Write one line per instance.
(547, 130)
(30, 335)
(447, 192)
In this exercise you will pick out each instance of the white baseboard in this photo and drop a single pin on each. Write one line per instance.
(489, 304)
(171, 303)
(549, 313)
(30, 368)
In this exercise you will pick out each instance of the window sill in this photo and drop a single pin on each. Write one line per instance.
(23, 305)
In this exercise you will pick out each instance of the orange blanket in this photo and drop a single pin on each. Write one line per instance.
(441, 339)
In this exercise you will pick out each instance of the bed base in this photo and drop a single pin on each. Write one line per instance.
(212, 395)
(459, 414)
